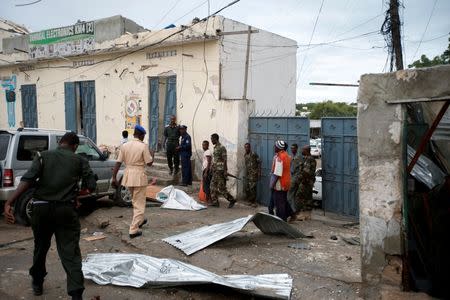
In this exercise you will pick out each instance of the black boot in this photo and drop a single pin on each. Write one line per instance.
(37, 287)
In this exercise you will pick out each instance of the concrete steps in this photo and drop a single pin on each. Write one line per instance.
(160, 171)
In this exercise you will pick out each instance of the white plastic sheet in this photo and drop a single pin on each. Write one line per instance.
(173, 198)
(137, 270)
(194, 240)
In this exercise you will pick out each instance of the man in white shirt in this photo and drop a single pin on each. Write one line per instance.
(206, 169)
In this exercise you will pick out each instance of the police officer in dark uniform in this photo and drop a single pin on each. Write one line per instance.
(185, 150)
(55, 175)
(171, 140)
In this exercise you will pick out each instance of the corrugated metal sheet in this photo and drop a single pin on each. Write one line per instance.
(191, 241)
(137, 270)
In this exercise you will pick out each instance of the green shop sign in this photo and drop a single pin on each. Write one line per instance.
(64, 41)
(62, 34)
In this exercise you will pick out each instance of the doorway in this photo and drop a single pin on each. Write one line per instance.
(29, 105)
(80, 110)
(162, 104)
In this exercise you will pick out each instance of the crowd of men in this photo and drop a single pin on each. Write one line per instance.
(291, 179)
(55, 177)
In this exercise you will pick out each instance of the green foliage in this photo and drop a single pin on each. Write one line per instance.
(327, 109)
(424, 61)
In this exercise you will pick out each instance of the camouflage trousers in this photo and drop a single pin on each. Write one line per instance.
(300, 196)
(304, 196)
(219, 187)
(250, 190)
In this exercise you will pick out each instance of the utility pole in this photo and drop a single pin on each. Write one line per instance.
(395, 34)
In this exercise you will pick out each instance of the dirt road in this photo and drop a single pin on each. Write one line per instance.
(330, 269)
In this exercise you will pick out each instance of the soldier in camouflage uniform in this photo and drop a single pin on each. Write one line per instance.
(253, 173)
(295, 181)
(306, 183)
(219, 173)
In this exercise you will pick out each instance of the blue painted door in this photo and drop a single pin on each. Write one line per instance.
(153, 113)
(170, 106)
(263, 132)
(70, 106)
(88, 111)
(29, 105)
(340, 166)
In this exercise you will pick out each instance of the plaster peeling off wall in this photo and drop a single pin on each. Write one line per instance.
(381, 166)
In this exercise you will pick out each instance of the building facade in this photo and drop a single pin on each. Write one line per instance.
(101, 77)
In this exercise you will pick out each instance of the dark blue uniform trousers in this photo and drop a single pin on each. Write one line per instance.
(186, 170)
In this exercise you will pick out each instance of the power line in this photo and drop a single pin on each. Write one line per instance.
(149, 45)
(426, 27)
(167, 13)
(310, 39)
(359, 25)
(31, 3)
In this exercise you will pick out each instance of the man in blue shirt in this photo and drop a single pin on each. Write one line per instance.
(185, 150)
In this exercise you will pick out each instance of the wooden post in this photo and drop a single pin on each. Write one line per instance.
(247, 62)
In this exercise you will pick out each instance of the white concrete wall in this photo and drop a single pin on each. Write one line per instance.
(197, 71)
(272, 69)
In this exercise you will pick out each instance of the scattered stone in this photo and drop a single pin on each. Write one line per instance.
(348, 257)
(84, 230)
(104, 224)
(354, 240)
(334, 238)
(302, 246)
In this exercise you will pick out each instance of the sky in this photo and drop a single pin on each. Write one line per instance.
(426, 28)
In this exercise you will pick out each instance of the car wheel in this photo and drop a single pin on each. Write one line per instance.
(123, 196)
(23, 208)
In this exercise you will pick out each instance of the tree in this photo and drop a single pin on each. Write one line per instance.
(328, 109)
(424, 61)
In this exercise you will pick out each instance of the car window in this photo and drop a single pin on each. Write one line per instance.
(4, 142)
(30, 145)
(87, 150)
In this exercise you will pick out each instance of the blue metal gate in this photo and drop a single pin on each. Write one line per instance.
(70, 106)
(29, 105)
(340, 166)
(153, 113)
(263, 132)
(89, 124)
(170, 106)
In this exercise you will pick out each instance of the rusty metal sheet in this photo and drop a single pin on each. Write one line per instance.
(137, 270)
(194, 240)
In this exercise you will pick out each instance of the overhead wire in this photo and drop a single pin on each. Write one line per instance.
(425, 30)
(204, 88)
(159, 42)
(167, 13)
(311, 38)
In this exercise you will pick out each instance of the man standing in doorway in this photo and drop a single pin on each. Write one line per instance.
(280, 181)
(55, 175)
(171, 140)
(296, 162)
(219, 173)
(206, 170)
(253, 173)
(136, 155)
(185, 150)
(306, 183)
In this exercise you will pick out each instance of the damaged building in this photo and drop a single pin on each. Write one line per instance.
(100, 77)
(404, 183)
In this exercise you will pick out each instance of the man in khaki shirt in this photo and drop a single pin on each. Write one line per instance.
(135, 154)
